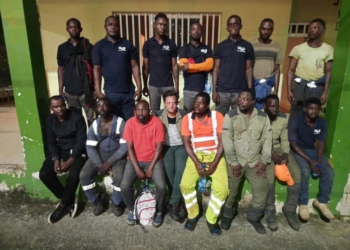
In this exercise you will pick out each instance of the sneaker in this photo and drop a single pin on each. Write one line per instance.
(130, 220)
(257, 226)
(304, 212)
(100, 204)
(174, 211)
(57, 214)
(214, 229)
(292, 219)
(158, 220)
(323, 208)
(271, 220)
(118, 210)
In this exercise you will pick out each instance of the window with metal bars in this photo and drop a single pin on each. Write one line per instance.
(298, 29)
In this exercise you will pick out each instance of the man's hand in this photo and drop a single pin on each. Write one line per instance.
(290, 96)
(62, 94)
(104, 167)
(261, 169)
(275, 92)
(185, 67)
(140, 174)
(313, 165)
(216, 97)
(277, 159)
(237, 170)
(138, 95)
(145, 91)
(148, 173)
(99, 94)
(323, 98)
(200, 170)
(94, 95)
(57, 166)
(212, 168)
(66, 165)
(176, 89)
(285, 158)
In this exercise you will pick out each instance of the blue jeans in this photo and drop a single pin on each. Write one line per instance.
(262, 90)
(129, 177)
(326, 178)
(123, 104)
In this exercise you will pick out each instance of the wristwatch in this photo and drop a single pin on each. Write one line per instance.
(55, 158)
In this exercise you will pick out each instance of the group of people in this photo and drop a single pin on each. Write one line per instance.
(175, 147)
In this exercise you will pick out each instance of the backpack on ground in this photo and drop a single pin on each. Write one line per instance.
(145, 206)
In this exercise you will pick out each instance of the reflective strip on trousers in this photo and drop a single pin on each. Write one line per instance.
(116, 188)
(189, 196)
(188, 205)
(87, 187)
(216, 211)
(91, 143)
(219, 202)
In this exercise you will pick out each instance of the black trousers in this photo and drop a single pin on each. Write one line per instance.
(48, 176)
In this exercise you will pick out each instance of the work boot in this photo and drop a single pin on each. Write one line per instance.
(292, 219)
(214, 229)
(271, 220)
(100, 204)
(259, 228)
(191, 224)
(227, 218)
(118, 210)
(174, 211)
(304, 212)
(57, 214)
(182, 209)
(323, 208)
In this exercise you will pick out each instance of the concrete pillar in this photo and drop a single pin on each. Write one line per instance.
(21, 25)
(338, 114)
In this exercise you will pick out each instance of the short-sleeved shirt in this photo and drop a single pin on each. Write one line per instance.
(160, 61)
(144, 137)
(72, 82)
(202, 129)
(266, 57)
(233, 57)
(115, 60)
(311, 61)
(303, 135)
(195, 81)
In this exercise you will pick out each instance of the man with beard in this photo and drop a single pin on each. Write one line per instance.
(117, 60)
(106, 149)
(75, 77)
(310, 68)
(233, 67)
(144, 136)
(247, 140)
(268, 57)
(160, 63)
(196, 60)
(66, 138)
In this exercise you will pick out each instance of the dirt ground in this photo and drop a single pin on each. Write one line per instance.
(23, 225)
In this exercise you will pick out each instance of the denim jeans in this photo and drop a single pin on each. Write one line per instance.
(123, 104)
(129, 177)
(262, 90)
(326, 178)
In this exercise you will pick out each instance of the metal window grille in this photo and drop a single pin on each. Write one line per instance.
(138, 27)
(298, 29)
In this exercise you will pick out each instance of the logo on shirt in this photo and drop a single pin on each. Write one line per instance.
(317, 131)
(206, 123)
(121, 48)
(240, 49)
(204, 51)
(166, 47)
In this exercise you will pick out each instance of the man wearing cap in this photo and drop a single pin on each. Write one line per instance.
(280, 154)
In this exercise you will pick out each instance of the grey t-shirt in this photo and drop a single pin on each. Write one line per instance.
(174, 136)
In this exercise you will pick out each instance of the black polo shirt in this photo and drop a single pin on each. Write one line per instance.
(303, 135)
(160, 61)
(195, 81)
(233, 57)
(72, 83)
(115, 60)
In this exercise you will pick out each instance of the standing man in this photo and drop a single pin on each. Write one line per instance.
(106, 149)
(310, 68)
(202, 137)
(66, 138)
(233, 68)
(75, 71)
(144, 136)
(174, 152)
(304, 130)
(268, 57)
(116, 59)
(196, 60)
(280, 154)
(247, 140)
(160, 63)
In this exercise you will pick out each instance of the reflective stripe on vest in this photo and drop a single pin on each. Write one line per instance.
(214, 137)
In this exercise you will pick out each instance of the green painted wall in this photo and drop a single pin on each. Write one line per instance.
(21, 26)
